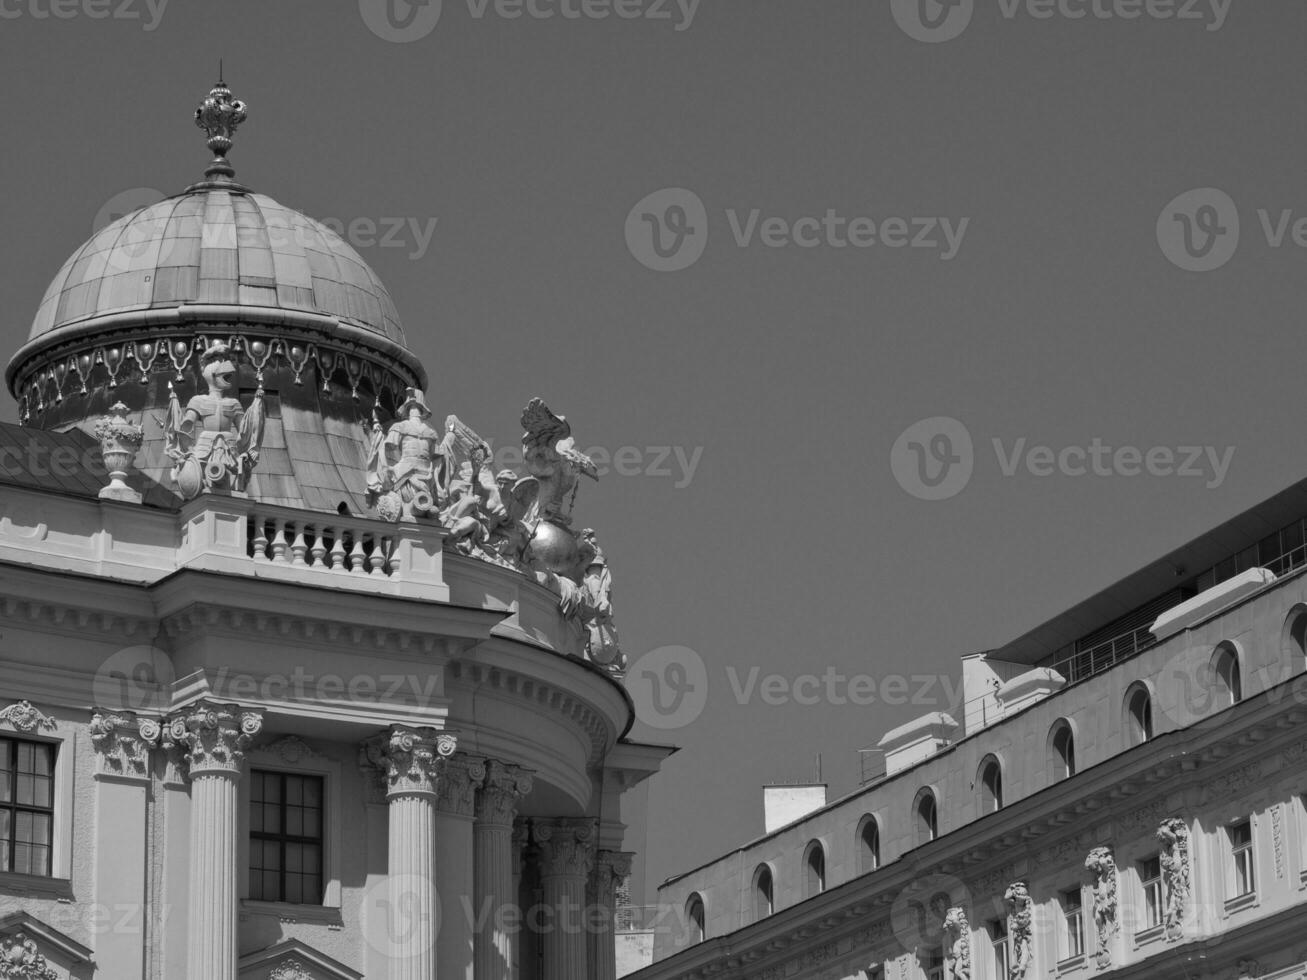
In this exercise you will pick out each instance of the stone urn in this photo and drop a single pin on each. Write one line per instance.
(119, 442)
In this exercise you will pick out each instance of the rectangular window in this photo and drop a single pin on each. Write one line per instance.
(998, 943)
(1073, 924)
(1150, 875)
(1244, 881)
(26, 806)
(286, 838)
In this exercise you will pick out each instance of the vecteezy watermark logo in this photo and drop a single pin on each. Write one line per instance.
(667, 230)
(668, 686)
(932, 21)
(1199, 230)
(149, 12)
(137, 678)
(918, 913)
(411, 20)
(125, 203)
(401, 912)
(400, 21)
(933, 459)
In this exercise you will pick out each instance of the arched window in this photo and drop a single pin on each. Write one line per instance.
(989, 783)
(1138, 715)
(694, 919)
(1295, 638)
(762, 893)
(927, 816)
(814, 867)
(1227, 682)
(869, 844)
(1062, 751)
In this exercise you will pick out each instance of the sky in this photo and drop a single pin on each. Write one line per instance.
(892, 339)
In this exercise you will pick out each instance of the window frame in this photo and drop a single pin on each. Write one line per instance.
(756, 891)
(58, 883)
(990, 796)
(814, 848)
(1000, 952)
(1138, 725)
(869, 856)
(1062, 758)
(697, 928)
(1227, 676)
(14, 808)
(927, 827)
(307, 763)
(1153, 891)
(1072, 919)
(1237, 854)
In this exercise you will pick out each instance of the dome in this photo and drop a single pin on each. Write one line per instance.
(219, 246)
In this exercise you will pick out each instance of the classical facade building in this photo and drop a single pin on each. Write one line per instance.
(1123, 794)
(292, 684)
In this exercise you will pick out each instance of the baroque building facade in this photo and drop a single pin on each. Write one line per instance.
(293, 686)
(1123, 794)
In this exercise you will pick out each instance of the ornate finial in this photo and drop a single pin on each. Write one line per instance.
(219, 115)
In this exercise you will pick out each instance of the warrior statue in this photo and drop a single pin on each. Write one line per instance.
(597, 607)
(213, 443)
(1020, 919)
(1174, 837)
(408, 469)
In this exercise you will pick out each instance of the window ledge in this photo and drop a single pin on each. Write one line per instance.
(1070, 964)
(14, 883)
(1240, 902)
(1150, 935)
(291, 912)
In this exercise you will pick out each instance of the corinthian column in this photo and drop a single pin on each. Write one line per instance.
(498, 917)
(411, 760)
(610, 870)
(455, 809)
(566, 856)
(213, 738)
(122, 743)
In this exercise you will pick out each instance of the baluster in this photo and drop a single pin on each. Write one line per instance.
(279, 542)
(298, 546)
(378, 559)
(357, 559)
(338, 549)
(260, 540)
(319, 550)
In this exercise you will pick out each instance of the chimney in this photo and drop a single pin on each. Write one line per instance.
(783, 805)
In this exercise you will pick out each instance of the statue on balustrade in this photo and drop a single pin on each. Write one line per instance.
(596, 605)
(408, 466)
(213, 442)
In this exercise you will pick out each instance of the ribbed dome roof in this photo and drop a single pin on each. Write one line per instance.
(216, 245)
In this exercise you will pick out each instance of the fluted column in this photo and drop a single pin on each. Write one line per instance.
(411, 760)
(520, 941)
(213, 738)
(610, 870)
(455, 811)
(566, 855)
(498, 917)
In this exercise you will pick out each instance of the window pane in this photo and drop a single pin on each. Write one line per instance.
(294, 821)
(294, 791)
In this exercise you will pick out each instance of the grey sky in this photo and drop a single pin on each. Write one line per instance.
(793, 548)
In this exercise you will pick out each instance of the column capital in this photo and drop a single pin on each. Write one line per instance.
(410, 760)
(122, 743)
(460, 779)
(567, 846)
(611, 869)
(212, 736)
(504, 786)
